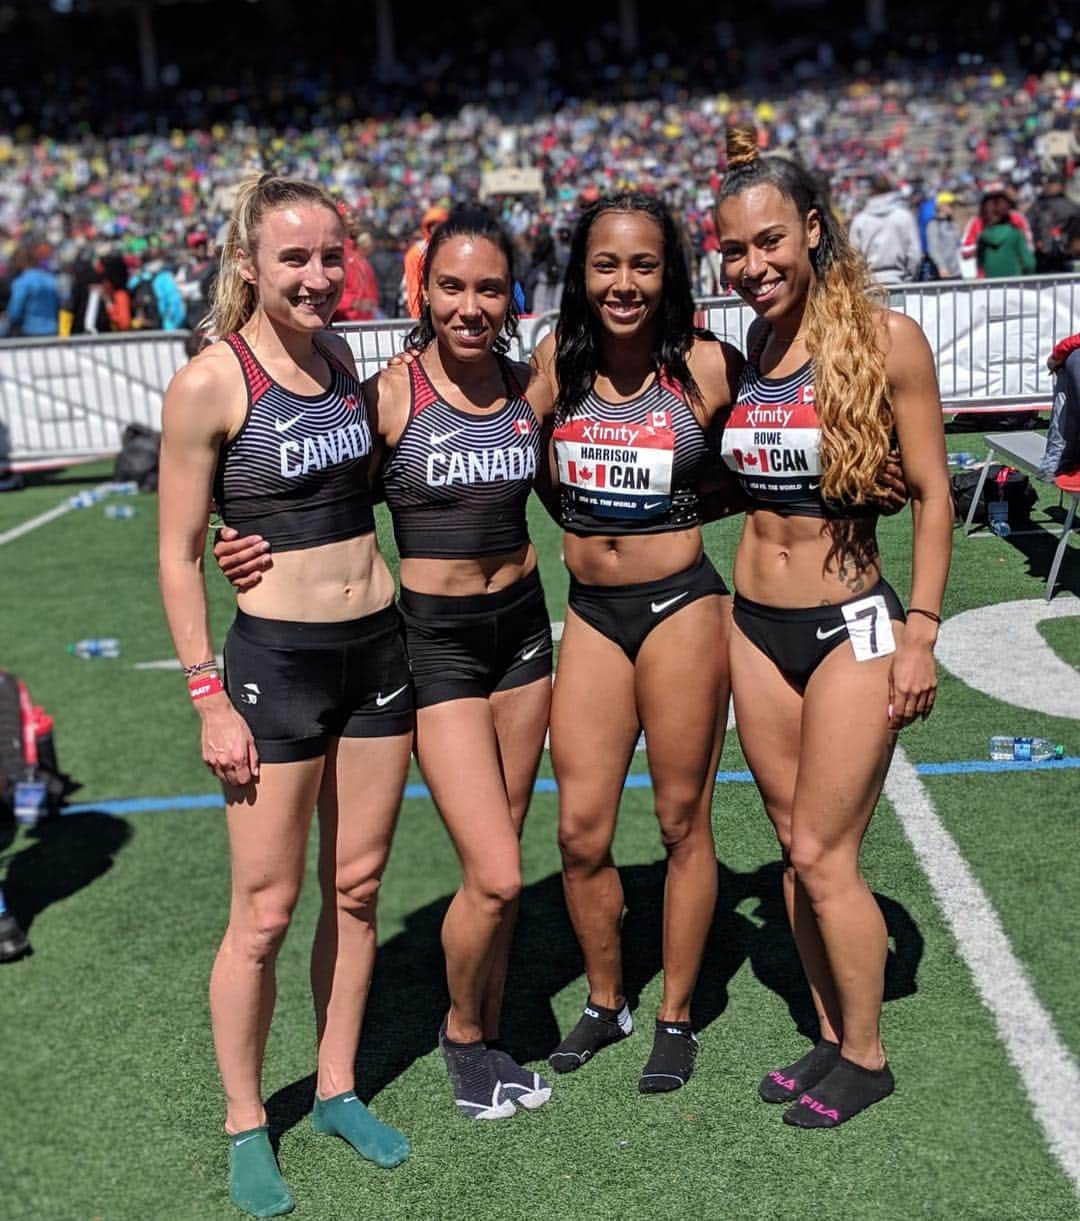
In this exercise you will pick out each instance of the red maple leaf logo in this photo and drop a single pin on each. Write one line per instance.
(750, 460)
(352, 402)
(586, 474)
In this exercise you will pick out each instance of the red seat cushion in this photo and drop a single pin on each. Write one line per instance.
(1069, 482)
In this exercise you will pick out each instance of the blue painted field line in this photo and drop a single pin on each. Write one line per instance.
(638, 780)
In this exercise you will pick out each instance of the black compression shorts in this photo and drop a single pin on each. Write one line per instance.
(300, 684)
(468, 647)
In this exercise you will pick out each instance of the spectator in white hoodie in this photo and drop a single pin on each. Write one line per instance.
(886, 234)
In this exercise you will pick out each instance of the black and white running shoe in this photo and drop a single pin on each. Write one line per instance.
(473, 1079)
(672, 1060)
(14, 943)
(596, 1028)
(518, 1084)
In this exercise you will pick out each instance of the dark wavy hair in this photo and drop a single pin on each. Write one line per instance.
(578, 331)
(466, 220)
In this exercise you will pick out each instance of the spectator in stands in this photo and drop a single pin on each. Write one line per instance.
(544, 279)
(994, 196)
(34, 307)
(114, 287)
(943, 237)
(1052, 217)
(414, 259)
(1001, 249)
(361, 293)
(386, 262)
(886, 234)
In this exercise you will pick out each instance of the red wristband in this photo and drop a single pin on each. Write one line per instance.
(200, 688)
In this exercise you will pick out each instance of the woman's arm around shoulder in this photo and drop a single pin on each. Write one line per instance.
(543, 385)
(716, 367)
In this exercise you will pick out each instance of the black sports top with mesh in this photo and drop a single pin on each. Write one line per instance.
(456, 482)
(772, 441)
(297, 471)
(633, 467)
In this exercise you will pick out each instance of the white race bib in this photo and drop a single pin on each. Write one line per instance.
(617, 470)
(869, 627)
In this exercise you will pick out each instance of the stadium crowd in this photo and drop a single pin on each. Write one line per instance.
(129, 222)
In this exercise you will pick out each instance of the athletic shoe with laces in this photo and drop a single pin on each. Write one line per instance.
(476, 1087)
(518, 1084)
(14, 943)
(596, 1028)
(672, 1060)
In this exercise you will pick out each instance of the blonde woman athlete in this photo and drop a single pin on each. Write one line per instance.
(317, 705)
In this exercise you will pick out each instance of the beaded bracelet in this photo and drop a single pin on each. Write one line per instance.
(200, 667)
(917, 610)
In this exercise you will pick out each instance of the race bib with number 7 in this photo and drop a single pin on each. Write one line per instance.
(869, 627)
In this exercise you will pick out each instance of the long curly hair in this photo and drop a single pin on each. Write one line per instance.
(843, 335)
(234, 299)
(467, 220)
(578, 331)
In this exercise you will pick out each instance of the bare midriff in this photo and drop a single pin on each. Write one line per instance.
(789, 561)
(328, 584)
(631, 559)
(465, 577)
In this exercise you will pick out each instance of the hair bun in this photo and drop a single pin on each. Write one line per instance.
(742, 146)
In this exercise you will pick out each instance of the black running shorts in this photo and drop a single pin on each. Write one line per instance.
(300, 684)
(468, 647)
(799, 639)
(626, 614)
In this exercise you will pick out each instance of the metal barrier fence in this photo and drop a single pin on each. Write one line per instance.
(69, 398)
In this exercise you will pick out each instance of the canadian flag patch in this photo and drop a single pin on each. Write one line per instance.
(523, 427)
(352, 402)
(806, 394)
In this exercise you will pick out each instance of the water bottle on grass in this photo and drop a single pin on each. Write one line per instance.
(106, 647)
(119, 512)
(1004, 749)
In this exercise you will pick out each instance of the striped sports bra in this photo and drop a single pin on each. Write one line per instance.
(297, 471)
(633, 467)
(772, 442)
(457, 482)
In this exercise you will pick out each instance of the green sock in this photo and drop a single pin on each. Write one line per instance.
(346, 1116)
(255, 1182)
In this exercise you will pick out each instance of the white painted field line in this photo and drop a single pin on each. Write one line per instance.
(42, 519)
(1049, 1073)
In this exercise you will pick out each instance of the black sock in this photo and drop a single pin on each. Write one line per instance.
(844, 1092)
(786, 1084)
(597, 1027)
(672, 1060)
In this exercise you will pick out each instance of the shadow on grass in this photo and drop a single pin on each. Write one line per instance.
(408, 996)
(64, 854)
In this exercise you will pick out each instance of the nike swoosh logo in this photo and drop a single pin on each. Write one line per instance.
(244, 1141)
(437, 438)
(657, 607)
(652, 504)
(813, 487)
(381, 699)
(831, 632)
(284, 427)
(529, 654)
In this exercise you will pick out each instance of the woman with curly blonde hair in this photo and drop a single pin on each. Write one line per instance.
(825, 666)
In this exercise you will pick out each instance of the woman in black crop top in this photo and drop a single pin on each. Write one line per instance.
(463, 447)
(825, 670)
(635, 392)
(278, 414)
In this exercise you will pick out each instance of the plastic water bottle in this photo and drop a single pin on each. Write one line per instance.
(961, 458)
(1024, 750)
(85, 499)
(120, 512)
(106, 647)
(127, 488)
(997, 515)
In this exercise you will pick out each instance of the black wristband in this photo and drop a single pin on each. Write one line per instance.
(917, 610)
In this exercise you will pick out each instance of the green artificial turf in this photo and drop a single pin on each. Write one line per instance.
(110, 1087)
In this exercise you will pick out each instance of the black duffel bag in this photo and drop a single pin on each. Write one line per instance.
(137, 462)
(1002, 483)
